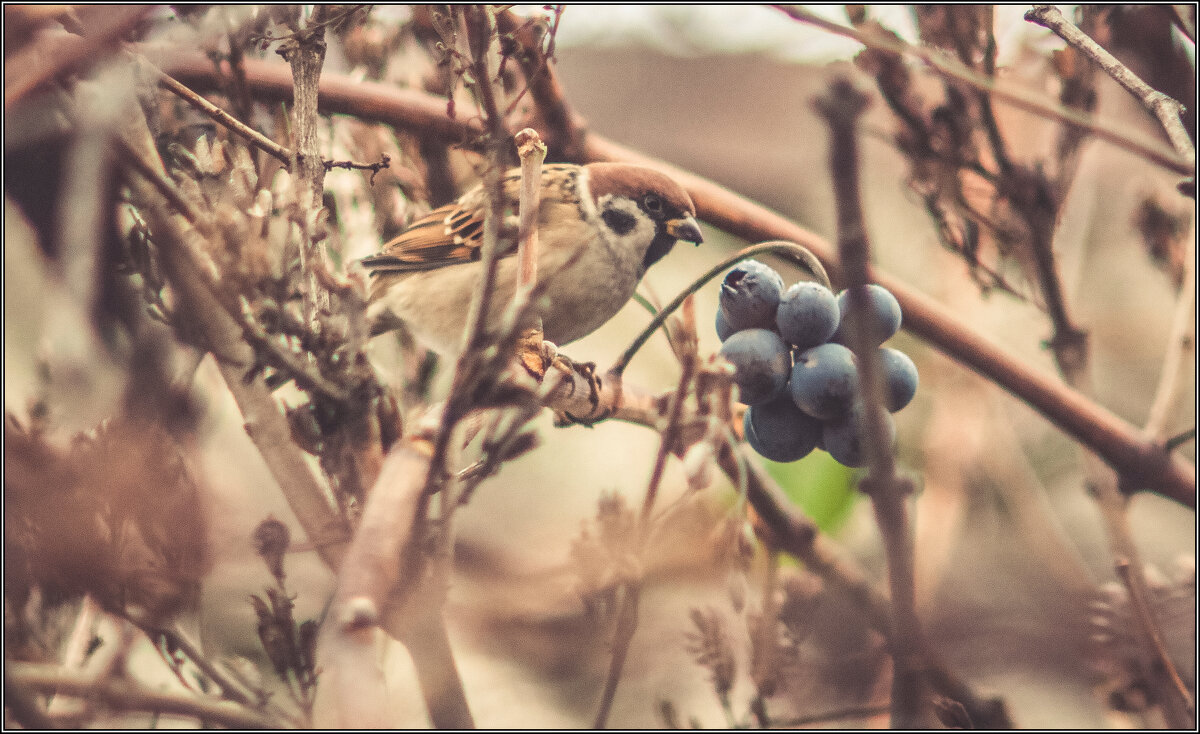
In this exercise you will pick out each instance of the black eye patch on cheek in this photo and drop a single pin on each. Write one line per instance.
(621, 223)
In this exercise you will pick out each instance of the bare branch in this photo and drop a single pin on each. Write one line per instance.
(247, 133)
(1014, 96)
(1166, 109)
(841, 107)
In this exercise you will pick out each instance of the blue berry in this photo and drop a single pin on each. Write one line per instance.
(845, 437)
(807, 316)
(724, 330)
(749, 296)
(883, 314)
(900, 378)
(761, 363)
(825, 381)
(780, 431)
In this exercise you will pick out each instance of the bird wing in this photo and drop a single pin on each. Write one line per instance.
(453, 233)
(447, 235)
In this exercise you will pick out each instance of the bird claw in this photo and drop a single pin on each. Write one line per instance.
(586, 370)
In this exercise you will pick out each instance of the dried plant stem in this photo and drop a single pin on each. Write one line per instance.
(1072, 358)
(1180, 340)
(121, 695)
(791, 251)
(306, 55)
(266, 425)
(842, 107)
(1016, 97)
(1166, 109)
(532, 152)
(627, 615)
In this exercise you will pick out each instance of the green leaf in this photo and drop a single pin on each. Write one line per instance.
(820, 486)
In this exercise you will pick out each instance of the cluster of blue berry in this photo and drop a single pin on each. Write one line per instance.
(793, 368)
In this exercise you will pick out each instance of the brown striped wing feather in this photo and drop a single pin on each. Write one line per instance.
(453, 233)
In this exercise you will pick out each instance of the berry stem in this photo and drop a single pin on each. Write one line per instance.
(797, 254)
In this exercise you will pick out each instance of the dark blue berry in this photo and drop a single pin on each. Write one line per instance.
(761, 363)
(900, 378)
(807, 316)
(845, 437)
(749, 296)
(724, 330)
(780, 431)
(883, 315)
(824, 381)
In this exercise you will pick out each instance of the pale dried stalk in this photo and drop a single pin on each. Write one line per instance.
(1182, 334)
(532, 152)
(121, 695)
(368, 578)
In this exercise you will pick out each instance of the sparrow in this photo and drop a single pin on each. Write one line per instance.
(600, 227)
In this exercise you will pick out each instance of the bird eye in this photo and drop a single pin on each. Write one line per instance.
(652, 204)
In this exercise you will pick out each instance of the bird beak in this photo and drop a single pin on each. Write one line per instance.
(685, 229)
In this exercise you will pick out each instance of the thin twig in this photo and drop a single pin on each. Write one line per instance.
(627, 615)
(1143, 611)
(1165, 108)
(1017, 97)
(248, 133)
(1178, 440)
(841, 107)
